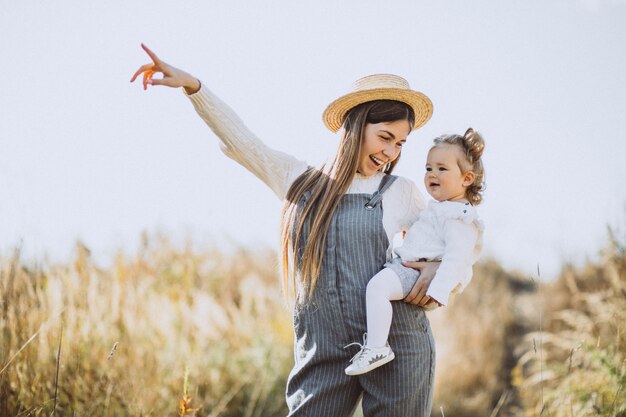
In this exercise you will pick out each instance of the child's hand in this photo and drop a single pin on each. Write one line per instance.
(418, 295)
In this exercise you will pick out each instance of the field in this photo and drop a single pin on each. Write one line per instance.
(192, 331)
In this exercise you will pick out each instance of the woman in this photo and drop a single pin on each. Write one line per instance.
(335, 236)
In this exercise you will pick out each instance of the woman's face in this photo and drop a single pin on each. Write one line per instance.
(382, 143)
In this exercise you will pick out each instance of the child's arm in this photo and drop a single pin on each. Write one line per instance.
(457, 259)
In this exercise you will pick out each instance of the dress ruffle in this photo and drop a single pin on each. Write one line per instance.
(453, 210)
(456, 211)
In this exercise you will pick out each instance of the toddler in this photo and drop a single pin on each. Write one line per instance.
(448, 230)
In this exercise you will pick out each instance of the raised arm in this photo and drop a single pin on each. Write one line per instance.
(276, 169)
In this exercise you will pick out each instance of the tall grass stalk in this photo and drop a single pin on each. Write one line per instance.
(56, 378)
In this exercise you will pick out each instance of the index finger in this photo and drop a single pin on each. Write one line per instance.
(151, 54)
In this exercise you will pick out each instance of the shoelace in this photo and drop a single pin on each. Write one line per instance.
(361, 346)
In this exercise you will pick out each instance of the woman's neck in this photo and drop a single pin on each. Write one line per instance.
(360, 176)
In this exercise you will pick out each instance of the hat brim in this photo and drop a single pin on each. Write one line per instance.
(335, 113)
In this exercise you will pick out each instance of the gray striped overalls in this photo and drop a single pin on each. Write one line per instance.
(317, 386)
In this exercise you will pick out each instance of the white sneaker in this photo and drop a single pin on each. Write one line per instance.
(369, 358)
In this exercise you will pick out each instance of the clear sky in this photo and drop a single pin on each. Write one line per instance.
(86, 155)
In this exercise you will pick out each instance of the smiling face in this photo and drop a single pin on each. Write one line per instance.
(444, 179)
(381, 144)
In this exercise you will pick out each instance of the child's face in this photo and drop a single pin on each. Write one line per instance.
(444, 179)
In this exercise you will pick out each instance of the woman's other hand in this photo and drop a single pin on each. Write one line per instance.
(418, 295)
(172, 76)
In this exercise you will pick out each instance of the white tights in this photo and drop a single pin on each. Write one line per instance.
(383, 288)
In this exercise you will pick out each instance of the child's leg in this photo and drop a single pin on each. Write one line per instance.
(381, 290)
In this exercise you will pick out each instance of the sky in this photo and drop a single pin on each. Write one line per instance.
(87, 156)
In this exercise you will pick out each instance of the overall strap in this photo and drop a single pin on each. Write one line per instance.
(382, 187)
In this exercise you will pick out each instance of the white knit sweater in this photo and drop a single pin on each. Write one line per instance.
(402, 202)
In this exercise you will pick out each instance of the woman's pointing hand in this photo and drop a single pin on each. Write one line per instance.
(172, 76)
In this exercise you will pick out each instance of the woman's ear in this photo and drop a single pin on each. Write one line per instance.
(468, 178)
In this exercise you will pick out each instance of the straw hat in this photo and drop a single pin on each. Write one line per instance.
(378, 87)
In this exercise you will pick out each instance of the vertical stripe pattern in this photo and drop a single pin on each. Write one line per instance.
(317, 385)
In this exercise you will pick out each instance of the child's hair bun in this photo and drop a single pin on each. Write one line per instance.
(474, 143)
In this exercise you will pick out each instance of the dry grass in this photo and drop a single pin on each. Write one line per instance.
(582, 369)
(129, 332)
(165, 309)
(512, 347)
(476, 338)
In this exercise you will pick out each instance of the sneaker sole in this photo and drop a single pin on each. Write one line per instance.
(372, 366)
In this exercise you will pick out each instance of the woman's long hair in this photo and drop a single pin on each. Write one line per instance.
(302, 260)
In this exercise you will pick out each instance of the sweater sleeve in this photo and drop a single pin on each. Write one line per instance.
(276, 169)
(460, 240)
(415, 203)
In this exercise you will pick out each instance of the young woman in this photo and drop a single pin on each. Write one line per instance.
(335, 237)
